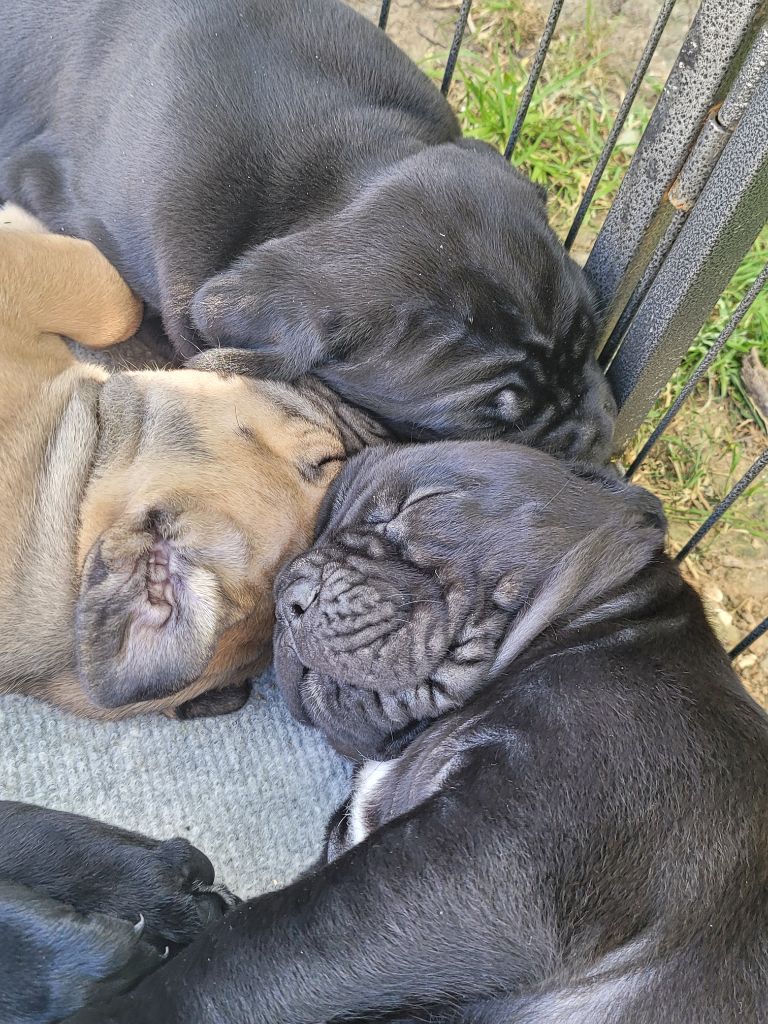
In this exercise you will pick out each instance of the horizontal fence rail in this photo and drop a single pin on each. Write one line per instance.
(690, 205)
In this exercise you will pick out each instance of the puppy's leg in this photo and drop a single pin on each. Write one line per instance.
(52, 284)
(213, 703)
(54, 960)
(400, 925)
(12, 216)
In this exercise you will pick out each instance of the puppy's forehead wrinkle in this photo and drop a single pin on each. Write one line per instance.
(121, 414)
(168, 427)
(289, 401)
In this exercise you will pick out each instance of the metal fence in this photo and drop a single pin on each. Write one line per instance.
(691, 204)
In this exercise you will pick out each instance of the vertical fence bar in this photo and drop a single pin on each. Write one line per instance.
(754, 470)
(621, 117)
(384, 14)
(701, 369)
(709, 59)
(728, 215)
(616, 336)
(453, 55)
(533, 77)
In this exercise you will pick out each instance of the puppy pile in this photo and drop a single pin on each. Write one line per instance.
(560, 807)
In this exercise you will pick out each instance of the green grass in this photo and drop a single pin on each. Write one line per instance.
(563, 134)
(724, 377)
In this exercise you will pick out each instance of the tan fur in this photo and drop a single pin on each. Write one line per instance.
(88, 459)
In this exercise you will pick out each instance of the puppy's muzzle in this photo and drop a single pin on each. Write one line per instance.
(299, 598)
(342, 604)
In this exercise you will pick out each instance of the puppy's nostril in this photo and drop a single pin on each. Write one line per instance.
(300, 596)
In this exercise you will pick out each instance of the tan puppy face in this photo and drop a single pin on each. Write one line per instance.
(204, 485)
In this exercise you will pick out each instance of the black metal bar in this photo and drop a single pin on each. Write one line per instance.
(453, 56)
(384, 14)
(701, 369)
(757, 467)
(533, 77)
(729, 213)
(710, 58)
(750, 638)
(621, 117)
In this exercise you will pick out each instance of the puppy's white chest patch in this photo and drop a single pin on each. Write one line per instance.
(363, 816)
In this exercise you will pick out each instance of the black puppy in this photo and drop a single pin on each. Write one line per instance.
(277, 175)
(581, 834)
(86, 910)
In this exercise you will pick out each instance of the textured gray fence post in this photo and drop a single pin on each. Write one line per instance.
(723, 224)
(709, 60)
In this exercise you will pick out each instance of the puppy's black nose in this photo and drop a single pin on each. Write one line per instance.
(299, 597)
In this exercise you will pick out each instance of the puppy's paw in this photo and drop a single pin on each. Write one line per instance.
(173, 889)
(96, 868)
(56, 961)
(213, 703)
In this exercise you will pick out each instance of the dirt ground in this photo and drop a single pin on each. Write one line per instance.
(422, 27)
(731, 567)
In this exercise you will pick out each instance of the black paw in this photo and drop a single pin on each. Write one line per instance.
(56, 960)
(97, 869)
(214, 703)
(172, 889)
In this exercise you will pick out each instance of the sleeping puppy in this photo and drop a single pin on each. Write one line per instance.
(145, 515)
(276, 175)
(562, 814)
(86, 910)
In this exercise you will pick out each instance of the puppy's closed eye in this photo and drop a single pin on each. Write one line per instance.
(317, 468)
(388, 516)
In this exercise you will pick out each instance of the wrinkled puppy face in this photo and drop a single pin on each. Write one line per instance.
(433, 568)
(204, 484)
(439, 299)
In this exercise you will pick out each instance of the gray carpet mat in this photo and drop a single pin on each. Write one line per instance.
(253, 790)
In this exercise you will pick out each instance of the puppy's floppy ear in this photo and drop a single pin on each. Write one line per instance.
(542, 194)
(643, 502)
(599, 563)
(128, 649)
(271, 301)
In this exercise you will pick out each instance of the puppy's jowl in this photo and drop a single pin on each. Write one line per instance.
(145, 514)
(298, 188)
(566, 817)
